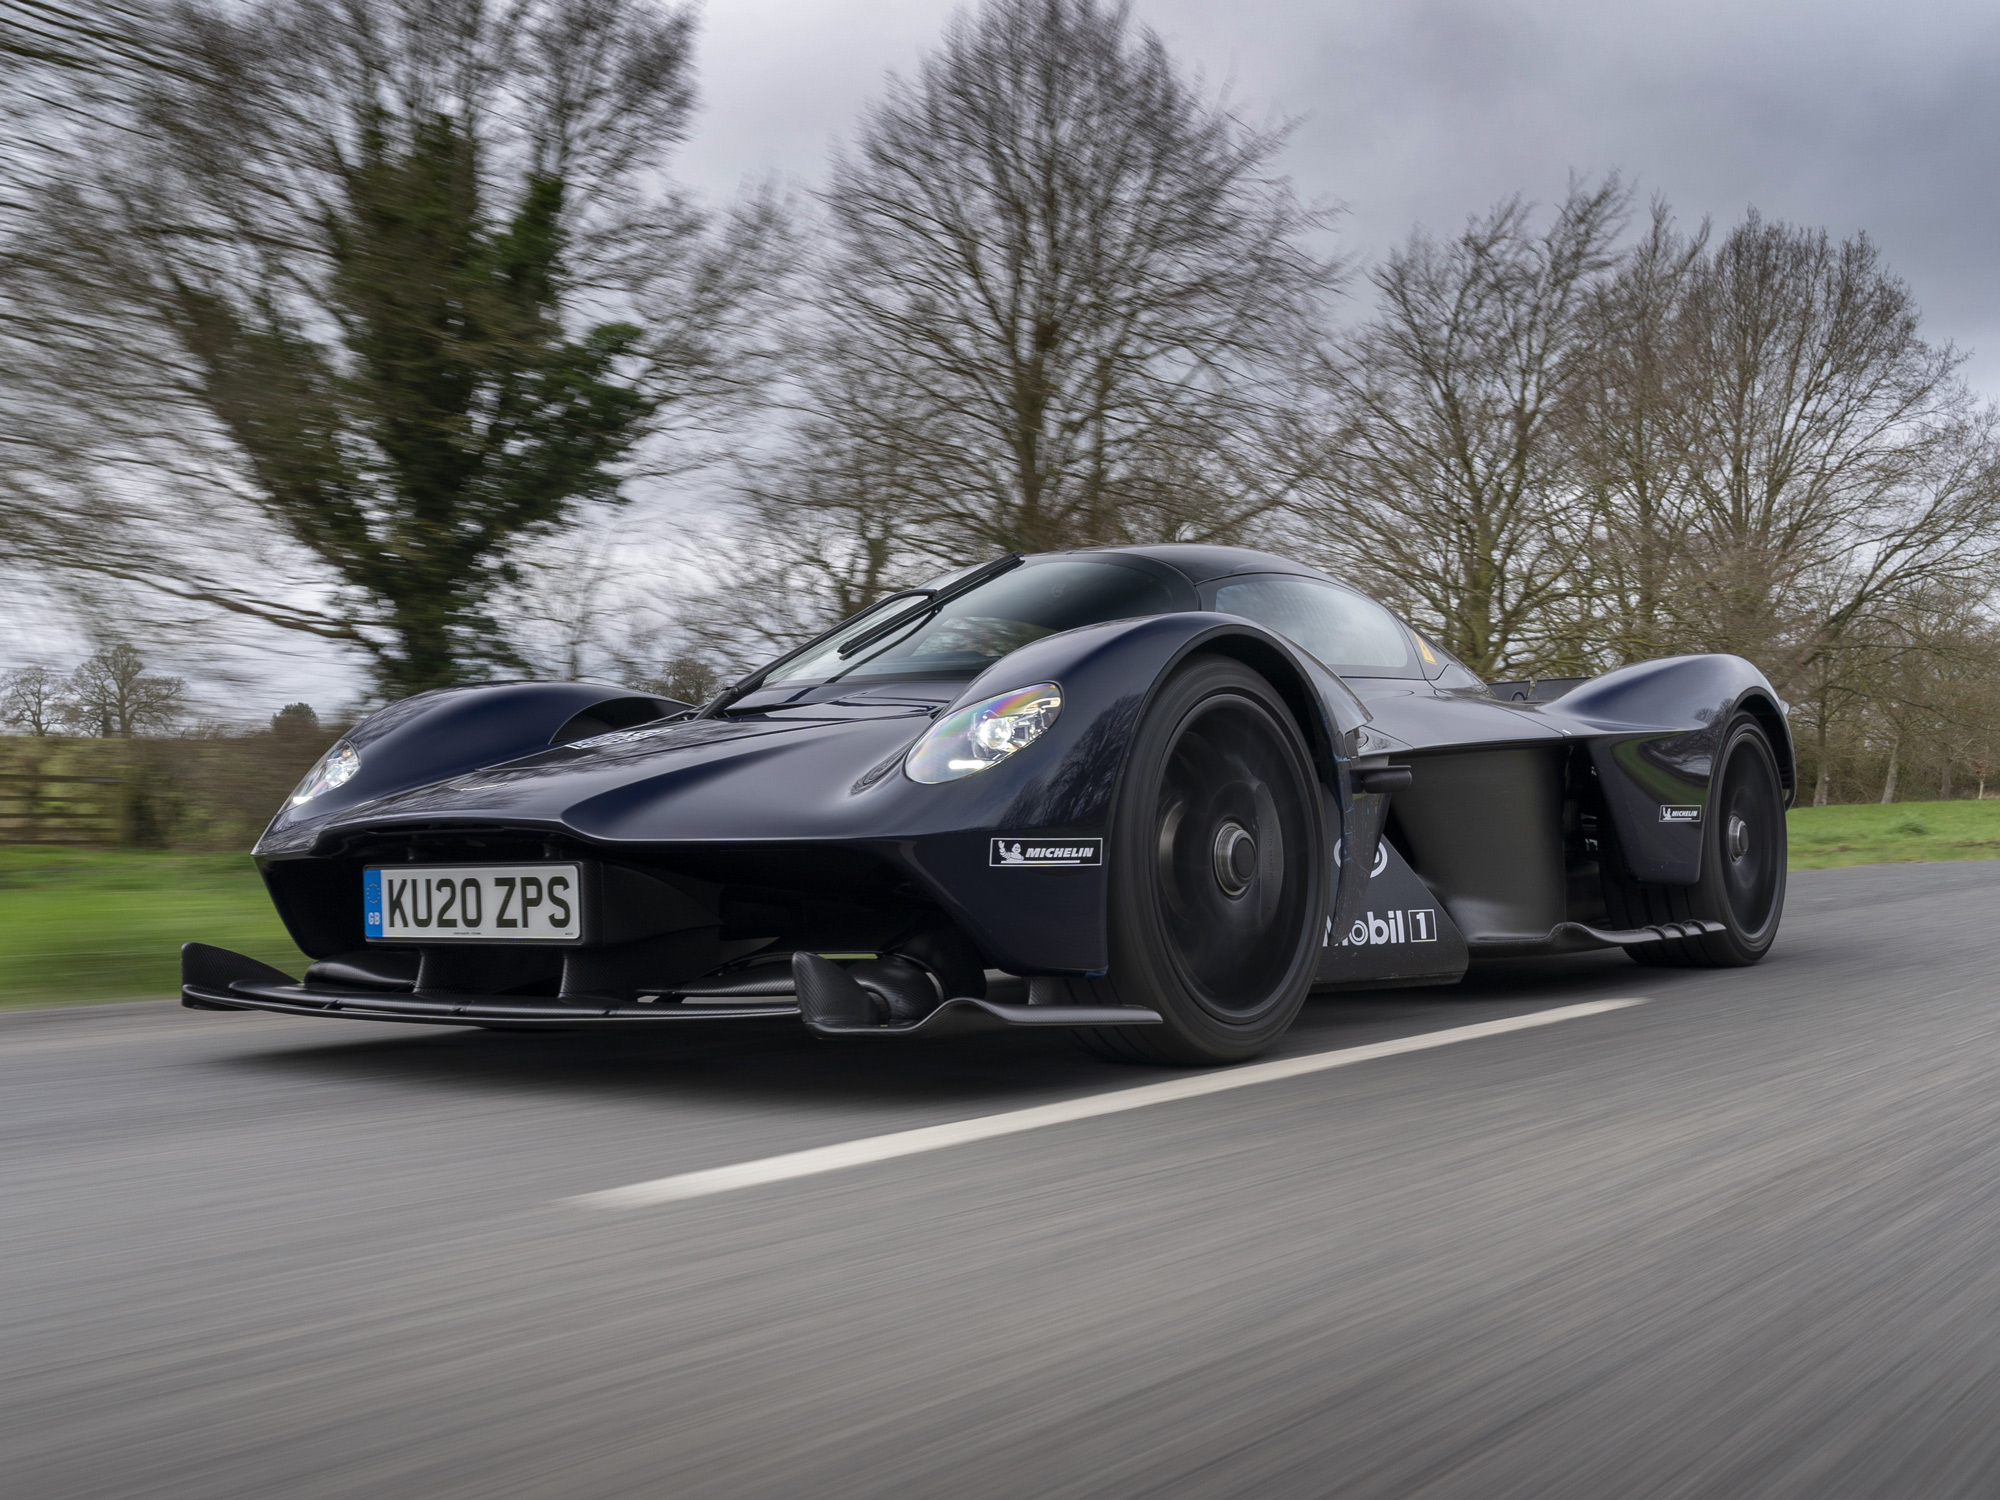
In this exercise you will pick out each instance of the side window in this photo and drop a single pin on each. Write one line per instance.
(1354, 636)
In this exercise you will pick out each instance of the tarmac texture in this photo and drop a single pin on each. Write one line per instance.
(1740, 1240)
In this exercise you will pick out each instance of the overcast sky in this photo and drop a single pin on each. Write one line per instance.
(1855, 116)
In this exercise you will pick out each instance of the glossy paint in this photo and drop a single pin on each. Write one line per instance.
(829, 773)
(809, 791)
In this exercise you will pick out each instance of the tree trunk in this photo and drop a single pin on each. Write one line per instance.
(1889, 783)
(1820, 782)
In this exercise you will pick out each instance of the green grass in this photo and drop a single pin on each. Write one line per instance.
(1823, 837)
(105, 924)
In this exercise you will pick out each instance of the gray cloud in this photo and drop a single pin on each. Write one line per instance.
(1852, 115)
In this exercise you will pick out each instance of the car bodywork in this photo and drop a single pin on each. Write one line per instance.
(1466, 823)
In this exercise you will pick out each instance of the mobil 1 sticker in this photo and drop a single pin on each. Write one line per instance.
(1413, 925)
(1045, 854)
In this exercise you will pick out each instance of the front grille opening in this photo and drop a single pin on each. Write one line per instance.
(766, 903)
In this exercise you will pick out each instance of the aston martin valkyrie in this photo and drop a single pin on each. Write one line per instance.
(1153, 795)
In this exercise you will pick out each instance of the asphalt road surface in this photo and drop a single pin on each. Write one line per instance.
(1743, 1239)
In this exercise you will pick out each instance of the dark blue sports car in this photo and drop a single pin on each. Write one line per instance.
(1173, 789)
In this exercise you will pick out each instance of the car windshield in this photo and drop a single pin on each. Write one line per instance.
(968, 634)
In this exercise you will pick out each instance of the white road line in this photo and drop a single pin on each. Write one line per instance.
(986, 1127)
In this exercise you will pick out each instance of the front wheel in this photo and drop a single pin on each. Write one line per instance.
(1743, 854)
(1218, 871)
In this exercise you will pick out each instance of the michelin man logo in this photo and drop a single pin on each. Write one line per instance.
(1025, 854)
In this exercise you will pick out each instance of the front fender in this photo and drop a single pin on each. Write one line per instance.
(449, 731)
(1053, 920)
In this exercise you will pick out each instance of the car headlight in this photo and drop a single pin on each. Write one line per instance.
(983, 734)
(335, 768)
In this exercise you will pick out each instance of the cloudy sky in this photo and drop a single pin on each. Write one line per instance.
(1852, 114)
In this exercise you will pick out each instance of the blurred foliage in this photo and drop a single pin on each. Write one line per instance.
(213, 793)
(324, 319)
(105, 924)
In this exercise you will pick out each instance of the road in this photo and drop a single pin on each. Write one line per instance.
(1740, 1240)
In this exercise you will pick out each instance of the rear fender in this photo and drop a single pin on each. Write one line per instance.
(1654, 730)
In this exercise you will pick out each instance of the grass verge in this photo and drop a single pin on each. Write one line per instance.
(1823, 837)
(107, 924)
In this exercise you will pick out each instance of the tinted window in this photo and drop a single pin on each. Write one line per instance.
(971, 633)
(1354, 636)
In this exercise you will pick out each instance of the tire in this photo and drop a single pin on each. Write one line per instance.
(1742, 883)
(1218, 875)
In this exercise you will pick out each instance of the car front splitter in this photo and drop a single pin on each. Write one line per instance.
(217, 979)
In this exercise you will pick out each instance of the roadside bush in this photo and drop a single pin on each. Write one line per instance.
(211, 793)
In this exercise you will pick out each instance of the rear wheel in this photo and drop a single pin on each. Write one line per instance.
(1742, 884)
(1218, 875)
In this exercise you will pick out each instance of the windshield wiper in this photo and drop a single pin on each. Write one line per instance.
(937, 601)
(744, 686)
(934, 599)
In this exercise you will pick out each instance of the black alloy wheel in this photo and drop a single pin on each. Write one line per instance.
(1219, 874)
(1743, 856)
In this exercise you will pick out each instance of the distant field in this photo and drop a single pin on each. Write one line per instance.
(102, 924)
(1823, 837)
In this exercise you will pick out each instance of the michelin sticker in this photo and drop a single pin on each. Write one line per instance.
(1680, 815)
(1414, 926)
(1032, 854)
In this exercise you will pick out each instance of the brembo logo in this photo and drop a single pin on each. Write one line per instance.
(1680, 815)
(1415, 926)
(1042, 853)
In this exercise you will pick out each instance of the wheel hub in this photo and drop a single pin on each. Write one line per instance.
(1235, 858)
(1738, 837)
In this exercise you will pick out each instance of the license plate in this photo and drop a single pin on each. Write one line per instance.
(473, 903)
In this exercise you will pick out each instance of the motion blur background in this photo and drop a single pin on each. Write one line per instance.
(357, 347)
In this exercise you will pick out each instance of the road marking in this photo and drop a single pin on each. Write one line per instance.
(986, 1127)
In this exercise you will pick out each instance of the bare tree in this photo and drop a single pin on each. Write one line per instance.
(65, 62)
(1623, 420)
(1064, 298)
(828, 528)
(31, 698)
(1445, 476)
(113, 696)
(1781, 466)
(1835, 464)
